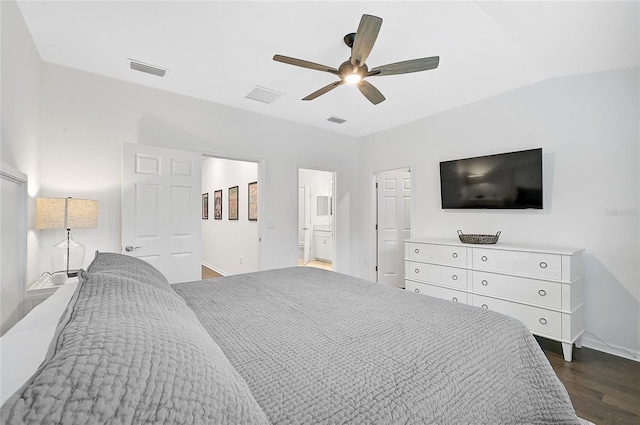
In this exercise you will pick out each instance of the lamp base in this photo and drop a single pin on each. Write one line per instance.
(67, 256)
(58, 278)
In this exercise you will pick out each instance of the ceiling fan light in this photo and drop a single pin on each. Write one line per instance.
(352, 78)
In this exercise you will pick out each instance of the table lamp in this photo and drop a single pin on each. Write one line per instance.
(66, 213)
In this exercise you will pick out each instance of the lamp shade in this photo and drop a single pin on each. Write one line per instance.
(66, 213)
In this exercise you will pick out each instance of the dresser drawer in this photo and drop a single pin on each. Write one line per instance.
(436, 291)
(438, 254)
(442, 275)
(538, 320)
(531, 291)
(534, 264)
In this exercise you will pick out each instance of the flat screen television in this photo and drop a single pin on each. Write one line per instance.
(503, 181)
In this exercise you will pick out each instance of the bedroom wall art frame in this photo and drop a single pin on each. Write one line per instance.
(205, 206)
(233, 203)
(253, 201)
(217, 205)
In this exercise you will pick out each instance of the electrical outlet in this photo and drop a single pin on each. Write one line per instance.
(240, 260)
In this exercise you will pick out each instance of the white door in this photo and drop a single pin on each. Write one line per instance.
(393, 224)
(304, 222)
(161, 209)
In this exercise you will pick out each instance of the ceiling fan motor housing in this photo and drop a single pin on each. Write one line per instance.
(347, 68)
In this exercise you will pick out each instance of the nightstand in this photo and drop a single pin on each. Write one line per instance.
(41, 290)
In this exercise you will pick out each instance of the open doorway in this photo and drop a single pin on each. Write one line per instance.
(229, 226)
(392, 204)
(316, 218)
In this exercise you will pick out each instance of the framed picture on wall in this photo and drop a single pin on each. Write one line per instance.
(217, 205)
(253, 201)
(233, 203)
(205, 206)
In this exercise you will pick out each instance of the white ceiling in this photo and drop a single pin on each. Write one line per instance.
(220, 50)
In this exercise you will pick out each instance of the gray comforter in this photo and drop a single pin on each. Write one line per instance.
(318, 347)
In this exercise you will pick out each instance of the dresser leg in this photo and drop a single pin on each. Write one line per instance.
(567, 350)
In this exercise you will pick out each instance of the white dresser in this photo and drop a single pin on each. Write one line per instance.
(540, 286)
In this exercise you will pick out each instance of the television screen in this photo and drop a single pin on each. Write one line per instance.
(510, 180)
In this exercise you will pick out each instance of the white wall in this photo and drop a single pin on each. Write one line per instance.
(21, 75)
(86, 117)
(229, 246)
(588, 128)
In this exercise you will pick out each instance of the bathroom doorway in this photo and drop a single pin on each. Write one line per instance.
(316, 218)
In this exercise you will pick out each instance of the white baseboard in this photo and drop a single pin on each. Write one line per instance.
(590, 341)
(215, 269)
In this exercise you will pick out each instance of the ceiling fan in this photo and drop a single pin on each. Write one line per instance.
(355, 70)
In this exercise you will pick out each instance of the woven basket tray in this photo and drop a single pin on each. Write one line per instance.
(478, 239)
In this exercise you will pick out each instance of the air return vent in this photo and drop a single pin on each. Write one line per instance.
(147, 68)
(263, 95)
(336, 120)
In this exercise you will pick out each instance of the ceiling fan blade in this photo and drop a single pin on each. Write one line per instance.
(304, 64)
(365, 38)
(405, 67)
(370, 92)
(323, 90)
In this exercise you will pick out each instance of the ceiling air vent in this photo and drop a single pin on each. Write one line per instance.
(263, 95)
(336, 120)
(145, 67)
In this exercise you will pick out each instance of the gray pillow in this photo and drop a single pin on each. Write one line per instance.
(130, 267)
(126, 353)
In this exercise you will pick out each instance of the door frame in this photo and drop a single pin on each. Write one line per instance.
(373, 209)
(334, 218)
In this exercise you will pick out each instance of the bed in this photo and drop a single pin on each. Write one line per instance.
(286, 346)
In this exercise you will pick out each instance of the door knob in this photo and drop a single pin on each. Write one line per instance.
(130, 248)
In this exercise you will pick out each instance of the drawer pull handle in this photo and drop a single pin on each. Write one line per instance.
(483, 258)
(417, 291)
(542, 292)
(454, 299)
(417, 271)
(484, 282)
(417, 251)
(454, 255)
(543, 321)
(486, 307)
(454, 277)
(543, 265)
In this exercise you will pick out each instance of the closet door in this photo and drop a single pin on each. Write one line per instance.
(393, 224)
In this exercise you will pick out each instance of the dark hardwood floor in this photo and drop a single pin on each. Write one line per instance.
(604, 389)
(207, 273)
